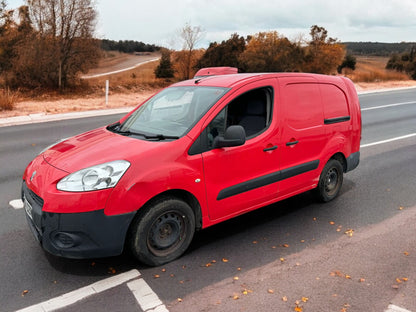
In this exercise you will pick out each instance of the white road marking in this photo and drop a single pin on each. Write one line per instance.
(145, 296)
(82, 293)
(16, 203)
(389, 140)
(393, 308)
(388, 105)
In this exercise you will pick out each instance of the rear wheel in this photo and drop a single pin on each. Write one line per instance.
(330, 181)
(162, 232)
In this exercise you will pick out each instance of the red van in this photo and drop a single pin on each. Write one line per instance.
(195, 154)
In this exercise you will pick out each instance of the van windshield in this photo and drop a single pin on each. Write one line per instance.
(172, 112)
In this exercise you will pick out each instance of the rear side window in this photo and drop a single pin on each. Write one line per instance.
(334, 102)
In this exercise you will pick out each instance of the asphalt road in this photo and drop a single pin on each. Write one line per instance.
(372, 195)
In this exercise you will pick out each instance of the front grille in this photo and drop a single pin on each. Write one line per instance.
(37, 199)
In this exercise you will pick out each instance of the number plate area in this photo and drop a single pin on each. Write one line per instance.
(28, 208)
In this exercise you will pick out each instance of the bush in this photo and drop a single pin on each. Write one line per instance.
(7, 100)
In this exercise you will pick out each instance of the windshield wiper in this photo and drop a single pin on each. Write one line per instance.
(161, 137)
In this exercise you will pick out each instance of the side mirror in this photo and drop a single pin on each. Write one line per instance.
(233, 136)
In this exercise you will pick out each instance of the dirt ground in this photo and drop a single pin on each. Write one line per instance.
(127, 99)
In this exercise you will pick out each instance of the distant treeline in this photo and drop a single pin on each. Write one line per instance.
(378, 48)
(127, 46)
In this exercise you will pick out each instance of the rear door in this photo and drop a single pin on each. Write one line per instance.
(303, 134)
(244, 177)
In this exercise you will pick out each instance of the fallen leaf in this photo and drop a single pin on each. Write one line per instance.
(179, 299)
(208, 264)
(284, 298)
(361, 280)
(349, 232)
(172, 275)
(405, 279)
(302, 241)
(305, 299)
(331, 222)
(111, 270)
(395, 286)
(285, 245)
(156, 276)
(254, 242)
(398, 280)
(224, 260)
(282, 259)
(406, 253)
(236, 297)
(238, 269)
(347, 276)
(235, 278)
(163, 270)
(298, 309)
(270, 291)
(245, 292)
(24, 292)
(401, 208)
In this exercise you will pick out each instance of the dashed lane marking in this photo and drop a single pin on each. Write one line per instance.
(389, 140)
(145, 296)
(84, 292)
(393, 308)
(16, 203)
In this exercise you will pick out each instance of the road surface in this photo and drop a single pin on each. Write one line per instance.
(269, 259)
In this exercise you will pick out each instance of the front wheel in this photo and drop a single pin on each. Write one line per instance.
(162, 232)
(330, 181)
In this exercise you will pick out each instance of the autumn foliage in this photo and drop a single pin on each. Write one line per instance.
(273, 52)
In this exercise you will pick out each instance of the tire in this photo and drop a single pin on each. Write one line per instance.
(162, 231)
(330, 181)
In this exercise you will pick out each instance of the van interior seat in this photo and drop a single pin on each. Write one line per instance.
(254, 120)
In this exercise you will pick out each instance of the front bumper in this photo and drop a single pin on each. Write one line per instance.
(76, 235)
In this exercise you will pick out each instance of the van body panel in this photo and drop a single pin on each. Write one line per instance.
(294, 123)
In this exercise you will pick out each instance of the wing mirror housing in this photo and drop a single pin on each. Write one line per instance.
(233, 136)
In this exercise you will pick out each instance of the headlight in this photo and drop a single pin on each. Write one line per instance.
(94, 178)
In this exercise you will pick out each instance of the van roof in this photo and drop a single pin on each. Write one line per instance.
(229, 81)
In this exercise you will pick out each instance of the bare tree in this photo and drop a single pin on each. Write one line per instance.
(68, 25)
(190, 35)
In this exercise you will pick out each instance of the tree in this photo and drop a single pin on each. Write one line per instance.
(270, 52)
(164, 69)
(226, 53)
(349, 62)
(323, 54)
(63, 31)
(190, 36)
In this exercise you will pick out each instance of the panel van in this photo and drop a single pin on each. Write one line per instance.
(195, 154)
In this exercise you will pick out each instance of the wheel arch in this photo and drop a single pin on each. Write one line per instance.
(183, 195)
(341, 158)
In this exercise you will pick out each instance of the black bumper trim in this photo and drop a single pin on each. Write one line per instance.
(94, 234)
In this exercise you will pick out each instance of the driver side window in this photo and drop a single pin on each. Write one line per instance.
(251, 110)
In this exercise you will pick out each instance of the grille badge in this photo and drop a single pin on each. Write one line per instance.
(33, 176)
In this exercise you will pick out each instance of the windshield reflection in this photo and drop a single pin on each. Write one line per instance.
(173, 111)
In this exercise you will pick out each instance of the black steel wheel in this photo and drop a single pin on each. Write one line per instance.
(330, 181)
(162, 231)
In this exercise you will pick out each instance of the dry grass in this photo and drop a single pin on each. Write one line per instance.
(372, 69)
(7, 100)
(138, 79)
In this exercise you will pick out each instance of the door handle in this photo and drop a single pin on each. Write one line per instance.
(292, 143)
(268, 149)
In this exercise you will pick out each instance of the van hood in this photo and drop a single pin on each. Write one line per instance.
(96, 147)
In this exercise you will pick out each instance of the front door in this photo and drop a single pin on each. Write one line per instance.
(242, 178)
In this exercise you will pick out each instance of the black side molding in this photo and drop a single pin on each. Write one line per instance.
(267, 179)
(331, 121)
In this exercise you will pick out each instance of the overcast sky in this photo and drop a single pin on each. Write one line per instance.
(159, 21)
